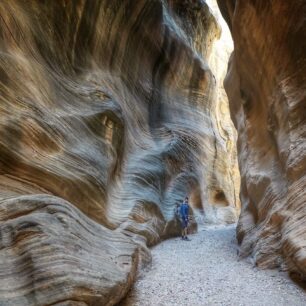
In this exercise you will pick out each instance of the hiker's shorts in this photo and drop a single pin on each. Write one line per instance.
(184, 223)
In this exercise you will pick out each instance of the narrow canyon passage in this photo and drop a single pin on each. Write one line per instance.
(112, 112)
(207, 271)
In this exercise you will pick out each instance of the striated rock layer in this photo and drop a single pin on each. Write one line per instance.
(267, 92)
(108, 119)
(218, 62)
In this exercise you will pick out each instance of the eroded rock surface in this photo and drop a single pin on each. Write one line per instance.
(108, 119)
(218, 62)
(266, 87)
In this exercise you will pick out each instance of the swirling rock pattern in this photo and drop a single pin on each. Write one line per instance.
(51, 253)
(266, 87)
(108, 119)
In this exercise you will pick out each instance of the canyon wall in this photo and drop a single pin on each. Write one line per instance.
(266, 85)
(108, 119)
(218, 62)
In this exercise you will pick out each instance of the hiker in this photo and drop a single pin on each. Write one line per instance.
(184, 211)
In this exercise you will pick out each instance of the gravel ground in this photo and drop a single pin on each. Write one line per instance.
(206, 271)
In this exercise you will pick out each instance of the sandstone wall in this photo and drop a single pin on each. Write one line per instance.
(108, 119)
(266, 89)
(218, 62)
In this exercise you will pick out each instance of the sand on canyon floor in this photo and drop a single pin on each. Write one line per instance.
(207, 271)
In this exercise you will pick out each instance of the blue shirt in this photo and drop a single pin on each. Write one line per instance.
(184, 210)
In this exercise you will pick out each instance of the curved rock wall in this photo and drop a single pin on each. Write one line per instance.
(266, 88)
(108, 119)
(218, 62)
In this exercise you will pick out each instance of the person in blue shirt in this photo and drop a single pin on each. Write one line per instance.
(184, 212)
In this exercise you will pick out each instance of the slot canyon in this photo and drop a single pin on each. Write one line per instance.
(112, 111)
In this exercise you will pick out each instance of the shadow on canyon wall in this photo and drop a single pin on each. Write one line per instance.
(266, 89)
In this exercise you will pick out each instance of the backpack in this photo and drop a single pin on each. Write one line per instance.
(178, 211)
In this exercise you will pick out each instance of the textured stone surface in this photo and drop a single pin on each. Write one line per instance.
(218, 62)
(206, 272)
(51, 252)
(107, 120)
(266, 87)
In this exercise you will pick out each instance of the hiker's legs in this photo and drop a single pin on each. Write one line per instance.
(183, 227)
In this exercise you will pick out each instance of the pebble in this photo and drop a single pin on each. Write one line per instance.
(205, 271)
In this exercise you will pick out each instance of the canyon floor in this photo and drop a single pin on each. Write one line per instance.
(207, 271)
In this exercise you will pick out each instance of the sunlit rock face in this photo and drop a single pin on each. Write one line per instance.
(108, 119)
(229, 178)
(266, 87)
